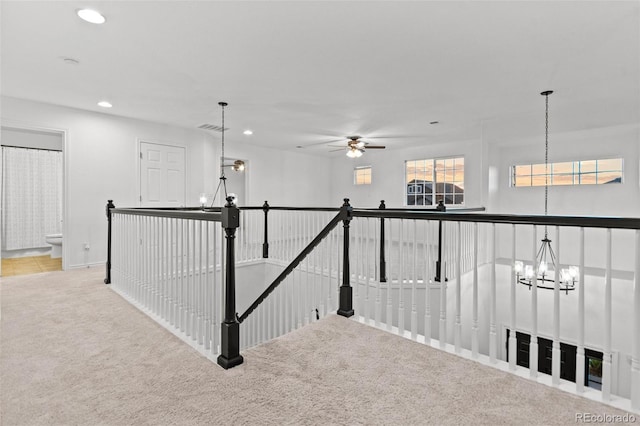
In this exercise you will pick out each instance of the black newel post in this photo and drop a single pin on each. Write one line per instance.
(230, 333)
(110, 206)
(346, 292)
(265, 244)
(440, 207)
(383, 262)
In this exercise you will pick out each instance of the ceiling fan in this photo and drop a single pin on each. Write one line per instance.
(356, 147)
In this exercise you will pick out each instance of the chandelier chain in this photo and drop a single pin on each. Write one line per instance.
(546, 160)
(222, 157)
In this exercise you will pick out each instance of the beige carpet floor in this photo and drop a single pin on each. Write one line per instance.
(74, 352)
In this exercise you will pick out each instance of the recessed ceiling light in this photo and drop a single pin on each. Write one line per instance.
(105, 104)
(91, 16)
(248, 132)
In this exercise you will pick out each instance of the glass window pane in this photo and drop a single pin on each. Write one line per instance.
(609, 177)
(523, 170)
(588, 166)
(538, 169)
(538, 180)
(523, 181)
(588, 179)
(562, 179)
(610, 165)
(565, 168)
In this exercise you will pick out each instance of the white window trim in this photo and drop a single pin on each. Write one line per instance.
(433, 179)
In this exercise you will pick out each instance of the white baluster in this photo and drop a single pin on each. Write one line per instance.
(367, 277)
(442, 336)
(533, 344)
(167, 270)
(201, 293)
(635, 357)
(207, 295)
(428, 259)
(555, 352)
(607, 356)
(306, 289)
(581, 288)
(493, 339)
(475, 341)
(458, 324)
(414, 280)
(512, 304)
(401, 278)
(378, 303)
(389, 317)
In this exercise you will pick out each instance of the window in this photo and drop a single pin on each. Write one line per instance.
(362, 175)
(586, 172)
(446, 173)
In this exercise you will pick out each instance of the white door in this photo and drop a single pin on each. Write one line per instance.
(162, 175)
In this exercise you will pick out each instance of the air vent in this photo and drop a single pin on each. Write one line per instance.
(212, 127)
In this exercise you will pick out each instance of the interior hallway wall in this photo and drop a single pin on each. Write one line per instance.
(101, 162)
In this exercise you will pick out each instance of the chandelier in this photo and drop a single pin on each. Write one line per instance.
(542, 274)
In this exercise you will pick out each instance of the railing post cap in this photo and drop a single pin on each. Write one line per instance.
(382, 205)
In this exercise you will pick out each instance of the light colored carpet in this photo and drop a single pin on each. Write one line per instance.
(74, 352)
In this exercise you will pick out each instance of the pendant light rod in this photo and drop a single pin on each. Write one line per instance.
(546, 94)
(222, 104)
(222, 181)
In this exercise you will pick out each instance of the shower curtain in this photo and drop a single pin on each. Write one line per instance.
(31, 197)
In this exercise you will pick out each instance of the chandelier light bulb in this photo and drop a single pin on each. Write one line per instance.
(518, 266)
(542, 269)
(528, 272)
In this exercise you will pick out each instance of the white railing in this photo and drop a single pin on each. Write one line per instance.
(289, 231)
(480, 301)
(308, 293)
(170, 268)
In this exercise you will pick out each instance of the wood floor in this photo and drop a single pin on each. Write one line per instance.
(30, 265)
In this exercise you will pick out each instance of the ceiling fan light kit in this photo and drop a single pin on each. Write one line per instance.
(356, 147)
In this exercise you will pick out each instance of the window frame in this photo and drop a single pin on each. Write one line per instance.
(434, 194)
(359, 169)
(577, 174)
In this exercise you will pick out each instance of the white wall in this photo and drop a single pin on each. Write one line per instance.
(101, 162)
(388, 173)
(602, 200)
(280, 177)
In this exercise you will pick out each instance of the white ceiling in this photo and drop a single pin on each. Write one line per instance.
(301, 73)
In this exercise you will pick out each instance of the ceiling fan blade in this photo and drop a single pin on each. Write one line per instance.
(323, 142)
(374, 147)
(335, 150)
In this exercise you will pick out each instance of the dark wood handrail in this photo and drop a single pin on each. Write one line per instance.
(310, 209)
(458, 216)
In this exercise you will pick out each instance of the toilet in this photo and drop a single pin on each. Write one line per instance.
(56, 244)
